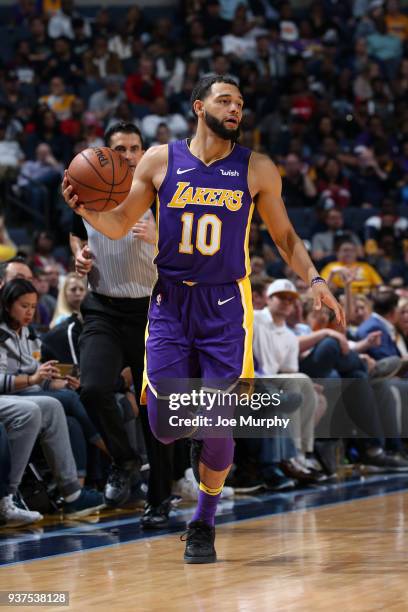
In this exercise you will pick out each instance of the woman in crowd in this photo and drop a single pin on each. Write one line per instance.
(69, 298)
(22, 373)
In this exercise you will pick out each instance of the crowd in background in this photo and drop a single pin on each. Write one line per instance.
(326, 97)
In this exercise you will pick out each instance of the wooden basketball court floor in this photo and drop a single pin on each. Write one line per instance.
(341, 546)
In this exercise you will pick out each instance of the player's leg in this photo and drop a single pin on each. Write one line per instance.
(225, 355)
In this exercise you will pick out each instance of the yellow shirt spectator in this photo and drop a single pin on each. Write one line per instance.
(397, 25)
(362, 277)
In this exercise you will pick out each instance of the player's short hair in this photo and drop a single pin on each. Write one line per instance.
(122, 127)
(202, 88)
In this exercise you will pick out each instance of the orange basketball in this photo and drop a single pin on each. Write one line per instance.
(100, 177)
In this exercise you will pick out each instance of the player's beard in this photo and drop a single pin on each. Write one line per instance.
(219, 128)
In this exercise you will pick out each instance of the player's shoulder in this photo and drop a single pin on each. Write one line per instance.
(262, 173)
(157, 153)
(261, 161)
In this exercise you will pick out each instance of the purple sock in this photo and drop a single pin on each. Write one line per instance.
(206, 507)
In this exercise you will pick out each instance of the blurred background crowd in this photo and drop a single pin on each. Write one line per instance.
(326, 97)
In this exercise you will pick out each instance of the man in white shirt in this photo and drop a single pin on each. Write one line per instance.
(276, 354)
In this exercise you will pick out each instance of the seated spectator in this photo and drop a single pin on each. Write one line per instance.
(104, 101)
(99, 62)
(396, 22)
(11, 515)
(43, 256)
(387, 223)
(143, 87)
(39, 182)
(64, 64)
(11, 157)
(326, 353)
(58, 100)
(298, 189)
(46, 129)
(163, 135)
(121, 42)
(363, 307)
(20, 351)
(388, 260)
(70, 296)
(323, 243)
(258, 286)
(369, 182)
(160, 114)
(333, 184)
(40, 44)
(276, 353)
(364, 277)
(46, 301)
(27, 419)
(383, 319)
(385, 47)
(61, 24)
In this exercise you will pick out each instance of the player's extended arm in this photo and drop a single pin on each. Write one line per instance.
(266, 185)
(116, 223)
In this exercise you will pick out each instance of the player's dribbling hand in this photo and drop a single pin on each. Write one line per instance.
(323, 295)
(83, 261)
(69, 196)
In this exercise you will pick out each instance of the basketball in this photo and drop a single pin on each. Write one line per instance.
(100, 177)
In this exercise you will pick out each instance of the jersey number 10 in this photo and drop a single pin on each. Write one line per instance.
(208, 236)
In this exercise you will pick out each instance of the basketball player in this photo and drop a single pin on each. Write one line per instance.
(200, 311)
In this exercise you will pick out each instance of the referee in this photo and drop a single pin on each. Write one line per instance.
(120, 277)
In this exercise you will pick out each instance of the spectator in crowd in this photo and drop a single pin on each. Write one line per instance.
(364, 277)
(387, 223)
(26, 420)
(70, 296)
(65, 65)
(21, 372)
(42, 255)
(276, 353)
(39, 181)
(103, 102)
(10, 514)
(383, 319)
(46, 302)
(396, 22)
(143, 87)
(61, 24)
(46, 129)
(160, 114)
(58, 100)
(333, 184)
(99, 62)
(323, 243)
(298, 190)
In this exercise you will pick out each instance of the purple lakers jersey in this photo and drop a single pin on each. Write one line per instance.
(203, 216)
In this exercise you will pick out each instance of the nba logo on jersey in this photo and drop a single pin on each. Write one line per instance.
(158, 299)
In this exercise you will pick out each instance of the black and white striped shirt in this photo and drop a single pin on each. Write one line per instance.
(121, 268)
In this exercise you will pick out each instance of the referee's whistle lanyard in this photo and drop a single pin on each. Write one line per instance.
(71, 343)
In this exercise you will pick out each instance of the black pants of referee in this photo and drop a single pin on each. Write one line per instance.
(113, 337)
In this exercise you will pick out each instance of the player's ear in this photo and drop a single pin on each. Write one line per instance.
(198, 107)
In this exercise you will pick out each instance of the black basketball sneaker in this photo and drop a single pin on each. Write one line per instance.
(199, 540)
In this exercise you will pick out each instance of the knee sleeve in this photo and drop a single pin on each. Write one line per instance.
(153, 412)
(217, 453)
